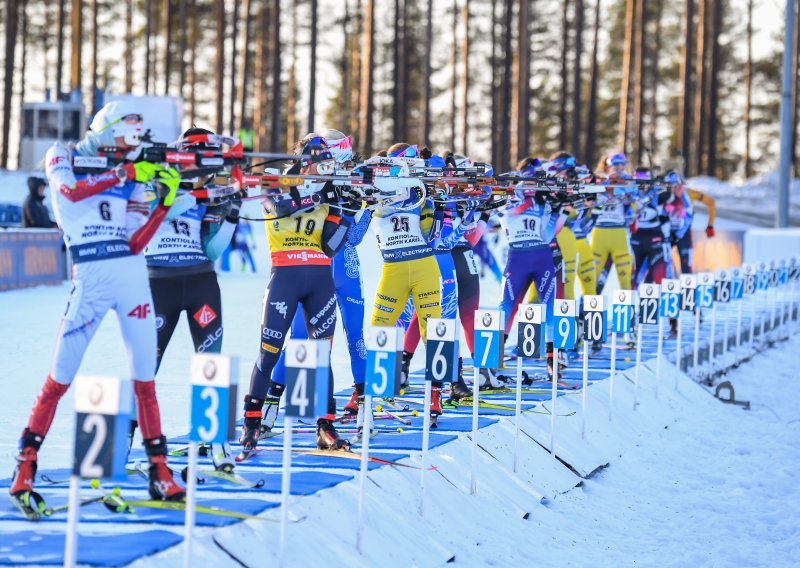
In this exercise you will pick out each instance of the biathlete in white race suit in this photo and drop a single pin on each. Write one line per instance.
(106, 227)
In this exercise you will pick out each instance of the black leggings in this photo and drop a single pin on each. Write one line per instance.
(198, 295)
(311, 287)
(648, 253)
(469, 291)
(686, 253)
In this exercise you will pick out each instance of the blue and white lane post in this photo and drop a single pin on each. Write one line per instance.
(441, 364)
(565, 332)
(722, 295)
(670, 309)
(648, 315)
(762, 285)
(688, 302)
(530, 343)
(621, 322)
(594, 329)
(794, 276)
(489, 354)
(737, 295)
(783, 282)
(750, 286)
(774, 283)
(307, 367)
(704, 300)
(103, 407)
(213, 398)
(384, 361)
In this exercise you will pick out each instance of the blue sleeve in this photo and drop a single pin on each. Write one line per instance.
(359, 229)
(550, 227)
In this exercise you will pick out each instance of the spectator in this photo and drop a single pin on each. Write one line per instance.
(34, 212)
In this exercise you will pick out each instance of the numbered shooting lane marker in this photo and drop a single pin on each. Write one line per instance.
(621, 320)
(307, 367)
(103, 407)
(648, 315)
(530, 342)
(565, 330)
(688, 299)
(762, 285)
(704, 299)
(783, 283)
(489, 327)
(722, 298)
(669, 307)
(594, 329)
(774, 282)
(213, 398)
(384, 360)
(441, 365)
(794, 276)
(737, 293)
(750, 287)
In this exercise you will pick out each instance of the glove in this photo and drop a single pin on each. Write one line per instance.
(167, 182)
(141, 172)
(233, 211)
(710, 231)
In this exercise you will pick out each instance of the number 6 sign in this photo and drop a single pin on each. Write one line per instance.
(103, 407)
(213, 379)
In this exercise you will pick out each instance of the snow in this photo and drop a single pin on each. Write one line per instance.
(689, 480)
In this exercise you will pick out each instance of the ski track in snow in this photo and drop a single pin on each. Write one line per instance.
(718, 487)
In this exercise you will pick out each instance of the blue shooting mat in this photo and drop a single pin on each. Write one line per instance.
(385, 441)
(446, 424)
(303, 482)
(466, 408)
(274, 459)
(527, 397)
(118, 549)
(98, 513)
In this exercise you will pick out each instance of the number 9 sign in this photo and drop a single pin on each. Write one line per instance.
(383, 361)
(565, 327)
(213, 379)
(103, 412)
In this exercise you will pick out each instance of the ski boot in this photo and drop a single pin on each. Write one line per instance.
(327, 436)
(488, 380)
(459, 388)
(630, 339)
(673, 328)
(436, 405)
(21, 492)
(272, 402)
(596, 348)
(405, 369)
(251, 429)
(221, 457)
(161, 485)
(356, 401)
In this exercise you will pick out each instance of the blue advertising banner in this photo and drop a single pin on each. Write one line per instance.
(31, 257)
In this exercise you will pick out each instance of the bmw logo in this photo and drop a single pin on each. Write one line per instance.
(440, 329)
(671, 286)
(210, 370)
(648, 290)
(722, 274)
(487, 319)
(593, 303)
(96, 394)
(705, 277)
(564, 308)
(382, 338)
(300, 353)
(621, 296)
(529, 313)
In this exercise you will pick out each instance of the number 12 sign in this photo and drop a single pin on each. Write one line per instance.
(648, 304)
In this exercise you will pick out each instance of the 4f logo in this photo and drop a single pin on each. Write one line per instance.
(281, 307)
(140, 312)
(205, 315)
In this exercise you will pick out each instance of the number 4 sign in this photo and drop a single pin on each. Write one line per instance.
(213, 379)
(307, 362)
(103, 407)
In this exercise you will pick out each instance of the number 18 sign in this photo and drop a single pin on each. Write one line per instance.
(213, 379)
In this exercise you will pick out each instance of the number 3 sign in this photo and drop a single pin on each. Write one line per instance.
(214, 379)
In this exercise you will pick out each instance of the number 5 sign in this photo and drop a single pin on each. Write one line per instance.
(307, 362)
(103, 406)
(383, 361)
(213, 379)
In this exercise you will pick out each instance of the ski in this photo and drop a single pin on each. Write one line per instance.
(344, 454)
(231, 477)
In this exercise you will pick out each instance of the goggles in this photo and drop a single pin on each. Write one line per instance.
(410, 152)
(618, 160)
(318, 149)
(673, 178)
(342, 150)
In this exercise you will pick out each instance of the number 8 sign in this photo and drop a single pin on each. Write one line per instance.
(530, 339)
(103, 412)
(307, 362)
(213, 379)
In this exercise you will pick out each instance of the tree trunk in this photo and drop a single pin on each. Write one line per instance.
(523, 82)
(261, 64)
(638, 81)
(182, 46)
(355, 65)
(292, 128)
(12, 16)
(367, 64)
(562, 100)
(312, 80)
(508, 57)
(655, 81)
(76, 39)
(795, 60)
(425, 108)
(23, 79)
(276, 138)
(219, 65)
(167, 38)
(625, 90)
(713, 95)
(344, 69)
(232, 94)
(591, 115)
(244, 68)
(192, 72)
(148, 31)
(130, 47)
(685, 110)
(748, 83)
(93, 71)
(577, 88)
(397, 46)
(62, 24)
(45, 39)
(404, 86)
(454, 79)
(494, 131)
(465, 81)
(700, 90)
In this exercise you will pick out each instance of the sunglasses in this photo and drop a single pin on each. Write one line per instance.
(132, 118)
